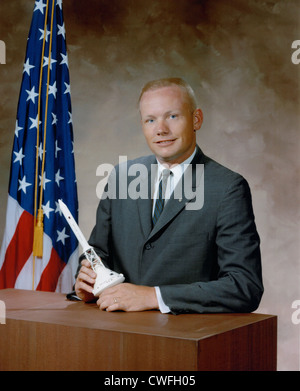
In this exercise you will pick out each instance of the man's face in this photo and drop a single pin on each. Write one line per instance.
(168, 124)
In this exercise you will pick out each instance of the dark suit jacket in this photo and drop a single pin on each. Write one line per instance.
(205, 260)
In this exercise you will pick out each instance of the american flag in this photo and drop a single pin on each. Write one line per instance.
(42, 164)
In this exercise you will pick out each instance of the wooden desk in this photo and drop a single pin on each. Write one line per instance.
(44, 331)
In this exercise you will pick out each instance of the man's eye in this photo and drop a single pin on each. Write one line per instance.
(149, 121)
(173, 116)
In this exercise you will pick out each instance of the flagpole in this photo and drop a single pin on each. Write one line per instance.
(38, 225)
(37, 145)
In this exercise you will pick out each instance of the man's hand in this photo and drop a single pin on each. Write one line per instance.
(85, 282)
(128, 297)
(125, 297)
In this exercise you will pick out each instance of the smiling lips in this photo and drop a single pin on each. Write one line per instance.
(165, 142)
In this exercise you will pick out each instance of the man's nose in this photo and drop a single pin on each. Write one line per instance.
(162, 127)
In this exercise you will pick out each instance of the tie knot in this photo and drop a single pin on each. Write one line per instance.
(165, 174)
(163, 181)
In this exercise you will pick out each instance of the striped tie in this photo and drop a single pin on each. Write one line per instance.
(160, 201)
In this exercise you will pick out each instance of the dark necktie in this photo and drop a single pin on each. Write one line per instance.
(160, 201)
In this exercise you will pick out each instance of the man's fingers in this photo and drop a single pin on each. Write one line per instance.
(86, 263)
(82, 286)
(128, 297)
(88, 272)
(86, 278)
(109, 303)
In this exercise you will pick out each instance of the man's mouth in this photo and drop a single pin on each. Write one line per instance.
(165, 142)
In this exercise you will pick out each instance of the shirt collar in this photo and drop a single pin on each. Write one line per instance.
(177, 170)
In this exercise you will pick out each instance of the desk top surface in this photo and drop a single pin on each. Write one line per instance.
(54, 308)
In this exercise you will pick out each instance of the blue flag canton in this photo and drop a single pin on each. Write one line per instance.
(59, 181)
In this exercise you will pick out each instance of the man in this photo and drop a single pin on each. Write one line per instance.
(204, 259)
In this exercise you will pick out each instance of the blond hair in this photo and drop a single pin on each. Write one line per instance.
(172, 81)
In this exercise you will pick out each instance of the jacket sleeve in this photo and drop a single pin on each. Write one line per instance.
(100, 235)
(238, 286)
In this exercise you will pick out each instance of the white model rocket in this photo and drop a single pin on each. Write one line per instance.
(105, 277)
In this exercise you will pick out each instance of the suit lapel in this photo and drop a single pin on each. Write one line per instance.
(182, 195)
(145, 205)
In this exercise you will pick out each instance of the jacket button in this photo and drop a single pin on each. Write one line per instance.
(148, 246)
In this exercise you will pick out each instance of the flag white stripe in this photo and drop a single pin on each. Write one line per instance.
(67, 276)
(13, 214)
(24, 280)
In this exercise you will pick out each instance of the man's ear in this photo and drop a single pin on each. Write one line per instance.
(198, 119)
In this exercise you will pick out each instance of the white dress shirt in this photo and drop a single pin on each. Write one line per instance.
(174, 178)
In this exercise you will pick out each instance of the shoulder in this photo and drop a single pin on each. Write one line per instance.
(145, 161)
(219, 171)
(214, 169)
(220, 179)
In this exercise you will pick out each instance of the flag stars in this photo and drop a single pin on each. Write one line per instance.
(70, 118)
(68, 89)
(59, 3)
(46, 62)
(43, 34)
(61, 30)
(39, 6)
(27, 67)
(34, 122)
(23, 184)
(45, 180)
(64, 59)
(62, 236)
(57, 208)
(57, 149)
(53, 89)
(19, 156)
(54, 119)
(47, 209)
(58, 178)
(31, 94)
(40, 151)
(17, 129)
(45, 104)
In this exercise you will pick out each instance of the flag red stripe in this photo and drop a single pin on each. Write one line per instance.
(51, 273)
(18, 251)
